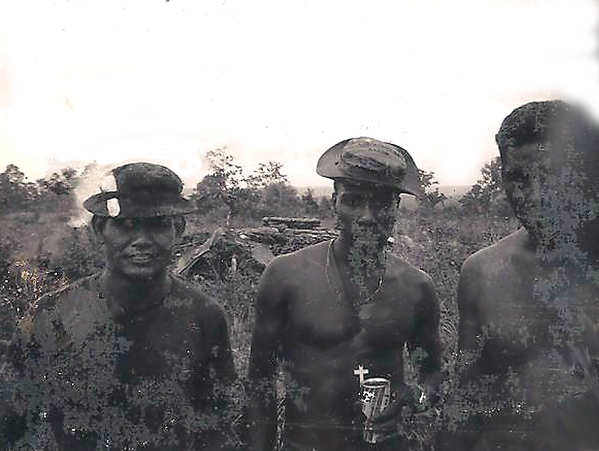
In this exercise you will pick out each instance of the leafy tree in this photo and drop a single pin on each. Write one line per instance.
(278, 199)
(266, 175)
(264, 192)
(15, 192)
(222, 186)
(61, 182)
(309, 203)
(431, 197)
(487, 195)
(325, 207)
(57, 192)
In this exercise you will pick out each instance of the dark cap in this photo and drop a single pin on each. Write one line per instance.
(367, 160)
(139, 190)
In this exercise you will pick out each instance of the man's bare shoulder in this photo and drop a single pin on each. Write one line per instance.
(499, 256)
(400, 269)
(410, 282)
(294, 263)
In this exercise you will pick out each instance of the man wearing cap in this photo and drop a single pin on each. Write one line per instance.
(339, 312)
(132, 358)
(528, 303)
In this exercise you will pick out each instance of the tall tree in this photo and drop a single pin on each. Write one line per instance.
(309, 202)
(267, 174)
(15, 192)
(222, 185)
(431, 196)
(487, 195)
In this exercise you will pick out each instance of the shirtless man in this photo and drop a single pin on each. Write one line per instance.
(523, 301)
(132, 358)
(338, 311)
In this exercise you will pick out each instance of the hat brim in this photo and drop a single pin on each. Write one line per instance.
(329, 166)
(98, 205)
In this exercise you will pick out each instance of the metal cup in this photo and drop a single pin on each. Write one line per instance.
(376, 395)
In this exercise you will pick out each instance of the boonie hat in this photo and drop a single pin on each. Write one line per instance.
(367, 160)
(139, 190)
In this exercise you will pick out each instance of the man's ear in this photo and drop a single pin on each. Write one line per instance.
(98, 225)
(334, 201)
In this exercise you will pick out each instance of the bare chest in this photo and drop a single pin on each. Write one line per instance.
(320, 316)
(538, 311)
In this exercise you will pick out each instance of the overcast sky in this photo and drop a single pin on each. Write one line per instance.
(124, 80)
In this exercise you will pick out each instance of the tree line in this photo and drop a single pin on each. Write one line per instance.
(228, 193)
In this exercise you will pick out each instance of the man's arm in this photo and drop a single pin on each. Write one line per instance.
(459, 432)
(226, 396)
(223, 356)
(261, 416)
(425, 345)
(17, 380)
(469, 328)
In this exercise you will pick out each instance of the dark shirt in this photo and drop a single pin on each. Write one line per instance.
(76, 379)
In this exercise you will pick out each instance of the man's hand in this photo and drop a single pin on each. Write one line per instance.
(385, 423)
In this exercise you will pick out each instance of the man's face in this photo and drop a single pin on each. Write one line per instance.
(546, 191)
(366, 212)
(138, 248)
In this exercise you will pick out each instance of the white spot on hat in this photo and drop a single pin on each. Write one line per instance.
(113, 207)
(108, 183)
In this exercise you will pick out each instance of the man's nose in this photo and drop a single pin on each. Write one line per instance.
(142, 236)
(367, 215)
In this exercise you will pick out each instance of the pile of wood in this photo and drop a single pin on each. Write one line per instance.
(249, 249)
(291, 223)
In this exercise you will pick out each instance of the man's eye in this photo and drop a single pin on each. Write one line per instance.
(519, 183)
(516, 178)
(353, 201)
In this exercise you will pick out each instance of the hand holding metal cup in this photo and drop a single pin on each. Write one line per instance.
(375, 397)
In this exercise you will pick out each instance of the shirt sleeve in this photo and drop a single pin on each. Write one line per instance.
(23, 404)
(222, 355)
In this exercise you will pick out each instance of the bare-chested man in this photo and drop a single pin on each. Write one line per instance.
(339, 311)
(525, 300)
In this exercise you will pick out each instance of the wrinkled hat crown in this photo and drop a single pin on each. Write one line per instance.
(367, 160)
(139, 190)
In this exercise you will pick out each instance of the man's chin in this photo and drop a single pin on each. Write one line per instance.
(370, 237)
(139, 275)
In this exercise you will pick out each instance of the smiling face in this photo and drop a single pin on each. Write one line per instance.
(138, 248)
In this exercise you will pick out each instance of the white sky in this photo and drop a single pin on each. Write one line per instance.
(123, 80)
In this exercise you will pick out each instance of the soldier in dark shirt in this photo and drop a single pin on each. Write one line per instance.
(129, 359)
(339, 311)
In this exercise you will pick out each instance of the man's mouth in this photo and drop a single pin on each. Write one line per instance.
(142, 258)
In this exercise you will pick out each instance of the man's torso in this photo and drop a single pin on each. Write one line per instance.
(530, 319)
(143, 381)
(326, 338)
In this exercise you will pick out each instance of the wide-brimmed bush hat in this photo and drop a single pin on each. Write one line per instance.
(139, 190)
(367, 160)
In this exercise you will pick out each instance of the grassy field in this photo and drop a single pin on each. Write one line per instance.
(41, 253)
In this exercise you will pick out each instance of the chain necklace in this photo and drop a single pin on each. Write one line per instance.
(343, 289)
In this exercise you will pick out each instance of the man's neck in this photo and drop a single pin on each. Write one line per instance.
(126, 296)
(342, 247)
